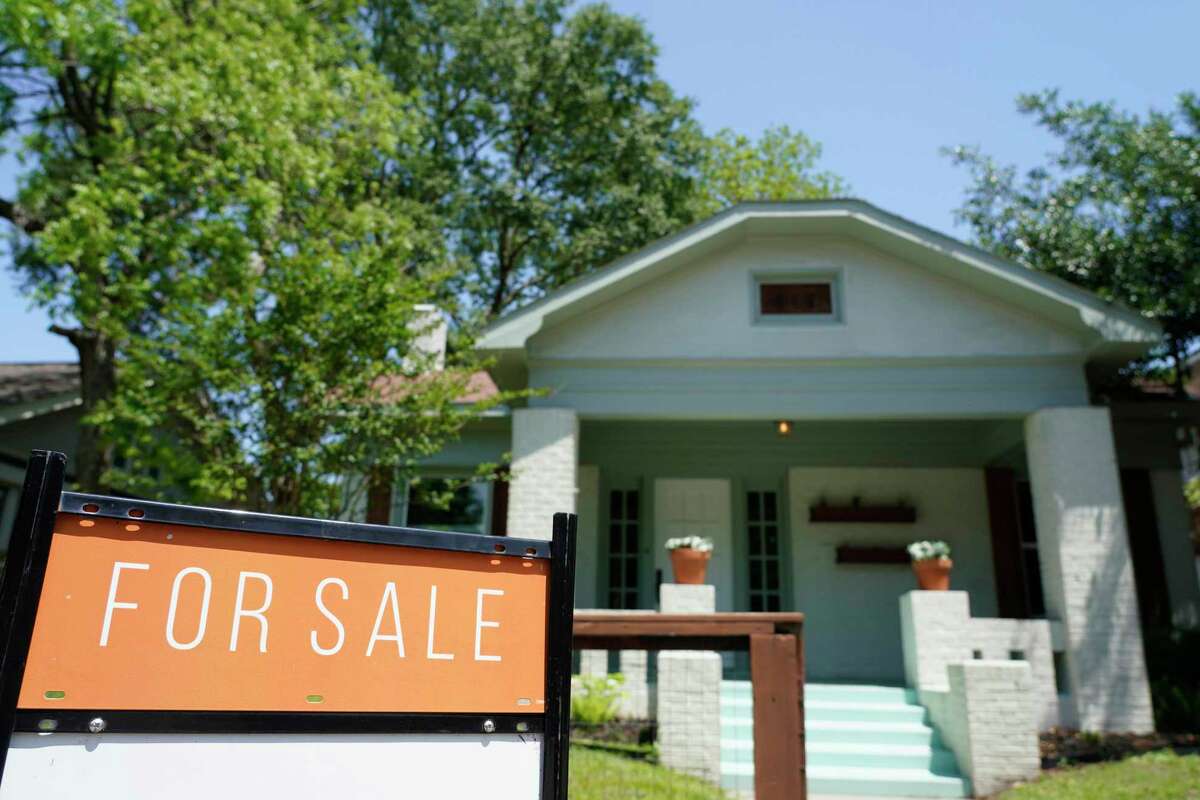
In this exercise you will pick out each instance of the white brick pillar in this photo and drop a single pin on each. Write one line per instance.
(1087, 571)
(545, 466)
(933, 631)
(689, 692)
(995, 722)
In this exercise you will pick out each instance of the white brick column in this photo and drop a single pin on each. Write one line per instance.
(689, 692)
(545, 466)
(933, 631)
(986, 717)
(938, 630)
(1087, 571)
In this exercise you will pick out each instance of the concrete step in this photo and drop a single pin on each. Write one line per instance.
(879, 781)
(743, 709)
(858, 693)
(854, 754)
(861, 740)
(817, 710)
(915, 733)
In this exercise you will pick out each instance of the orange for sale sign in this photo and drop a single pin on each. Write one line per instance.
(139, 615)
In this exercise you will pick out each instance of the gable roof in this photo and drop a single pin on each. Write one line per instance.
(28, 389)
(1111, 329)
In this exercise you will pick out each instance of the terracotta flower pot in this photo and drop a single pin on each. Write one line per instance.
(689, 565)
(933, 574)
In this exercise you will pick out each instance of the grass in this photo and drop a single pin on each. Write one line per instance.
(597, 775)
(1155, 776)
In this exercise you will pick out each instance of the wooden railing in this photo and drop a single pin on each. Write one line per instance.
(776, 647)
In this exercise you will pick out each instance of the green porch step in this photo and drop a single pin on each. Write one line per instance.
(861, 740)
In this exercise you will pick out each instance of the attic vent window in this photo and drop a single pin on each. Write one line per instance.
(789, 299)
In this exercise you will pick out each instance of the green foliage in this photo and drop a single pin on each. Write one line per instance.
(1160, 775)
(1116, 210)
(596, 698)
(554, 146)
(597, 775)
(1191, 491)
(208, 200)
(230, 210)
(781, 165)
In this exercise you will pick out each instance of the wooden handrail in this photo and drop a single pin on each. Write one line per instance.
(776, 646)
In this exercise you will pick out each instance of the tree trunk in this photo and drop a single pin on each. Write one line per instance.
(97, 383)
(1182, 371)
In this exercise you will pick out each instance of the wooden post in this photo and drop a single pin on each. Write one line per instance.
(776, 673)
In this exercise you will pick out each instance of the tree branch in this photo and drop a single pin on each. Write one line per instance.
(20, 217)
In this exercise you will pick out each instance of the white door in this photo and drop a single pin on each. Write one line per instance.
(696, 507)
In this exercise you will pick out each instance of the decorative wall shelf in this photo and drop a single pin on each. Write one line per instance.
(855, 512)
(881, 554)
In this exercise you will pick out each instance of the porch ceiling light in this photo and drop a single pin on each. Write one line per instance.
(783, 427)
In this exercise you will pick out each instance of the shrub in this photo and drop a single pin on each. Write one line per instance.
(595, 698)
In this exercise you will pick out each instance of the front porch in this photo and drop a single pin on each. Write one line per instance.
(1031, 506)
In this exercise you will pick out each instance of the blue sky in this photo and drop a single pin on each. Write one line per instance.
(882, 85)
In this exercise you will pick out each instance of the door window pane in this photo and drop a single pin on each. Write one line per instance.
(763, 569)
(623, 512)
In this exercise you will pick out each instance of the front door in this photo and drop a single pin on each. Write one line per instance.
(696, 507)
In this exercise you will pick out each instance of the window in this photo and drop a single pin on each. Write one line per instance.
(795, 298)
(448, 504)
(623, 513)
(762, 524)
(802, 297)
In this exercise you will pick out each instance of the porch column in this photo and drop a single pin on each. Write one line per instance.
(1087, 571)
(545, 466)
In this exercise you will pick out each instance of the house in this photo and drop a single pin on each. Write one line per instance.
(814, 385)
(39, 408)
(784, 364)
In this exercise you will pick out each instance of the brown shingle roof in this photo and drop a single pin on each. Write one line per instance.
(25, 382)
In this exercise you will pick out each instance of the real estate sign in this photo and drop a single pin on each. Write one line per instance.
(154, 650)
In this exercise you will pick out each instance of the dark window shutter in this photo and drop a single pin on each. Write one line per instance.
(379, 498)
(1001, 487)
(499, 524)
(1149, 571)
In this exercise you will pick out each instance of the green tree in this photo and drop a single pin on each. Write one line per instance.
(554, 146)
(1116, 210)
(207, 213)
(781, 165)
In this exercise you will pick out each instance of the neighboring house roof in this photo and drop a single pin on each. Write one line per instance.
(28, 389)
(479, 387)
(1112, 329)
(27, 382)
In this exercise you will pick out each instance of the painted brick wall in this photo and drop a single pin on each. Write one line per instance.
(986, 717)
(545, 446)
(689, 691)
(938, 630)
(689, 712)
(1087, 572)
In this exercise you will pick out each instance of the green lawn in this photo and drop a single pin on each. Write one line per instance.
(596, 775)
(1154, 776)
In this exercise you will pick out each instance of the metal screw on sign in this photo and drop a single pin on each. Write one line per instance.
(489, 726)
(97, 725)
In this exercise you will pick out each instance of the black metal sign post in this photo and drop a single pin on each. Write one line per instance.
(21, 582)
(21, 585)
